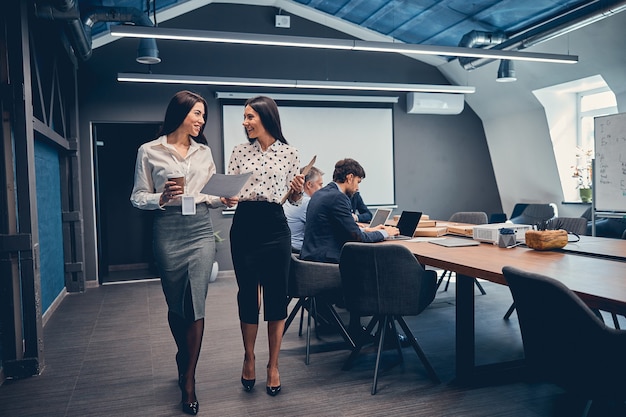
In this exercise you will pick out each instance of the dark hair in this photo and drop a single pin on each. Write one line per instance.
(268, 112)
(178, 109)
(345, 167)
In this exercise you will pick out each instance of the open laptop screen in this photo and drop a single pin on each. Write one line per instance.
(407, 224)
(380, 217)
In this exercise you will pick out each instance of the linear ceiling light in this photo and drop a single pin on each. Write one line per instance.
(326, 43)
(259, 82)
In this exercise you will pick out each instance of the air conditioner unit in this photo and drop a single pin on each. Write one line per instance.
(434, 103)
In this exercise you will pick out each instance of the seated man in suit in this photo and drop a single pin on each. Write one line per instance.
(296, 215)
(329, 223)
(360, 212)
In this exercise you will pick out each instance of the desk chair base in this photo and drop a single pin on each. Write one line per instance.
(386, 323)
(449, 274)
(615, 321)
(509, 312)
(310, 304)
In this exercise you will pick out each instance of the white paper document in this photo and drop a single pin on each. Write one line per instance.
(223, 185)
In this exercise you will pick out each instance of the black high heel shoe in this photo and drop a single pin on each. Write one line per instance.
(248, 384)
(273, 391)
(188, 407)
(191, 408)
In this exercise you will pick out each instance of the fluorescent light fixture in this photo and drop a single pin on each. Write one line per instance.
(307, 97)
(260, 82)
(327, 43)
(186, 79)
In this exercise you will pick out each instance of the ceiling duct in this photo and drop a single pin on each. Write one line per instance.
(479, 39)
(546, 30)
(79, 32)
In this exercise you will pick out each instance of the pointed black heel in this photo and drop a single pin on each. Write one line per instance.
(191, 408)
(248, 384)
(188, 407)
(273, 391)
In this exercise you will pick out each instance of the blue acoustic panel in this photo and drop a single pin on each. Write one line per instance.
(48, 187)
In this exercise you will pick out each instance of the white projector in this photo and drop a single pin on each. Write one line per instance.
(490, 232)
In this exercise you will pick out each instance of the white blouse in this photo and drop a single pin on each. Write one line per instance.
(157, 160)
(272, 170)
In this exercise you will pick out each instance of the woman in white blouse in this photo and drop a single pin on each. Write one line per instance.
(184, 244)
(260, 237)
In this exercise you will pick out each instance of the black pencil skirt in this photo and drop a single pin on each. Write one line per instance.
(260, 242)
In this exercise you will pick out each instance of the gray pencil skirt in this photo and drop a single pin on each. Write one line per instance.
(184, 250)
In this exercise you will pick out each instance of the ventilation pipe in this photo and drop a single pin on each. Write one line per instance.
(545, 31)
(479, 39)
(79, 32)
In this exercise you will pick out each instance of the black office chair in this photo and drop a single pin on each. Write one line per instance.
(576, 225)
(497, 218)
(311, 282)
(565, 342)
(534, 214)
(470, 217)
(386, 282)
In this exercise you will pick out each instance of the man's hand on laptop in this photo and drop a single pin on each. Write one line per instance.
(391, 230)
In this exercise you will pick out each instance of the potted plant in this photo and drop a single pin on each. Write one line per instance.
(583, 173)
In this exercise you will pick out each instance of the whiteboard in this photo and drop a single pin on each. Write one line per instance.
(610, 163)
(332, 133)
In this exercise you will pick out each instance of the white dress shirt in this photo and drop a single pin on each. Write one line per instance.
(157, 160)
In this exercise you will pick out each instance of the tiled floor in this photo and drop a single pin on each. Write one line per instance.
(108, 352)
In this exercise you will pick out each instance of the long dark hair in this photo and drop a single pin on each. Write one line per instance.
(268, 112)
(179, 107)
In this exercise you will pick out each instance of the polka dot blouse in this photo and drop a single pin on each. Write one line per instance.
(272, 170)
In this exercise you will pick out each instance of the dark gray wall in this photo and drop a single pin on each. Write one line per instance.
(442, 162)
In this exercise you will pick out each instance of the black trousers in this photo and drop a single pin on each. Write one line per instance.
(260, 243)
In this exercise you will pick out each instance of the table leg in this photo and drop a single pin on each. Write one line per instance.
(465, 346)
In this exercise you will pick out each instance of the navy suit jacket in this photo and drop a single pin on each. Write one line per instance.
(329, 224)
(358, 207)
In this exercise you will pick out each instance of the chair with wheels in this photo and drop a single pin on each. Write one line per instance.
(565, 342)
(314, 284)
(387, 282)
(470, 217)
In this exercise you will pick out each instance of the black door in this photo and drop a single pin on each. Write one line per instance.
(124, 232)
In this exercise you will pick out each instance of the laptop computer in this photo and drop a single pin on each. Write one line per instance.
(455, 242)
(380, 217)
(407, 223)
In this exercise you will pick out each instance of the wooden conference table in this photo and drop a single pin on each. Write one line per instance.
(600, 282)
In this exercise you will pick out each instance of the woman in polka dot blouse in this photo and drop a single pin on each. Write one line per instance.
(260, 238)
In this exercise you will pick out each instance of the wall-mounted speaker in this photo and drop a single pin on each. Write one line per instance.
(434, 103)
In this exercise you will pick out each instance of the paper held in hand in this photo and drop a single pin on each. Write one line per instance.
(222, 185)
(304, 172)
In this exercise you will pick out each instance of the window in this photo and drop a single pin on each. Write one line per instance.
(570, 110)
(593, 104)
